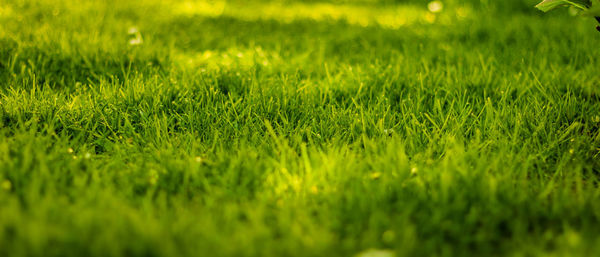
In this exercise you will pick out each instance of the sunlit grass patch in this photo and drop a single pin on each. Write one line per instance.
(391, 17)
(5, 11)
(205, 8)
(234, 57)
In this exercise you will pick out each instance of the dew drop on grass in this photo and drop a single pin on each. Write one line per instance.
(375, 175)
(135, 41)
(132, 30)
(137, 36)
(435, 6)
(414, 171)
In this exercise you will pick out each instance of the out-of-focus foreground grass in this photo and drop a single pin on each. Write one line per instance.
(297, 128)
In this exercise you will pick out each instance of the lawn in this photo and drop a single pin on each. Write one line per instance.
(373, 128)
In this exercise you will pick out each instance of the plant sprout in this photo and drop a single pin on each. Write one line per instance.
(589, 7)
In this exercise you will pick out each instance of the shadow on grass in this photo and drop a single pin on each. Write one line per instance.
(29, 65)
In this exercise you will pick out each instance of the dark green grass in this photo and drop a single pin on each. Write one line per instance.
(249, 132)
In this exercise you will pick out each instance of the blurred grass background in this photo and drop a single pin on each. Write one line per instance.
(297, 128)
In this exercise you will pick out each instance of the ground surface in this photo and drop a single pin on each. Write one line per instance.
(205, 128)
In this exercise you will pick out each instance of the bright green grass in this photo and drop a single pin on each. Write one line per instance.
(297, 129)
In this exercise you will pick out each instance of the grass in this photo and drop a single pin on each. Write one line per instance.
(347, 128)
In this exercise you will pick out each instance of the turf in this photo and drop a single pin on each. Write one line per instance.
(297, 128)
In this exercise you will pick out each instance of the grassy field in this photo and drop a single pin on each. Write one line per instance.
(298, 128)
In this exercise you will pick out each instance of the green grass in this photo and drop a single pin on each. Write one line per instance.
(297, 129)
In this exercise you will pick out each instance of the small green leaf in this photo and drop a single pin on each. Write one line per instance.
(548, 5)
